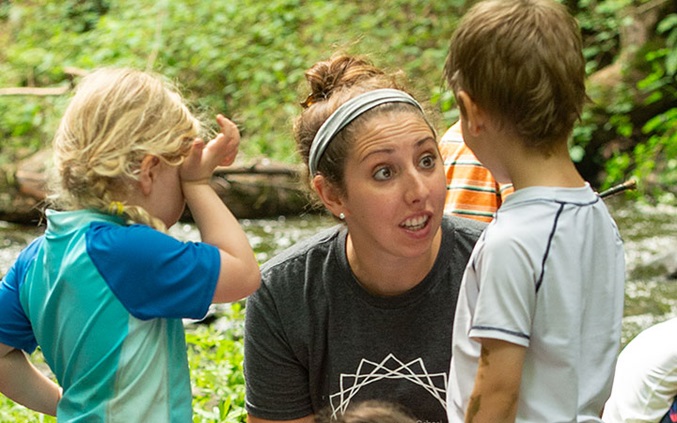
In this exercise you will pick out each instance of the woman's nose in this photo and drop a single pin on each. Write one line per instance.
(416, 187)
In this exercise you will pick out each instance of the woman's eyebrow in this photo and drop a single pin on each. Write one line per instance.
(380, 150)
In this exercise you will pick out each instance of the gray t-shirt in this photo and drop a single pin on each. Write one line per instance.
(314, 338)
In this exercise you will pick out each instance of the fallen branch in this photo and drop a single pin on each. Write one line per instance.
(258, 169)
(46, 91)
(38, 91)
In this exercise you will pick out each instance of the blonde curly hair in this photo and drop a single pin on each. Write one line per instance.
(116, 117)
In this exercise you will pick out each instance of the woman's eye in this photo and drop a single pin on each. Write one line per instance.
(427, 162)
(383, 174)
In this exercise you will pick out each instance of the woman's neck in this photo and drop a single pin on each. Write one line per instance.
(388, 275)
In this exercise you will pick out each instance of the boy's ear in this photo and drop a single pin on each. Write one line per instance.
(147, 173)
(330, 196)
(473, 115)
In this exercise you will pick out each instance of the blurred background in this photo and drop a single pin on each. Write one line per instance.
(246, 58)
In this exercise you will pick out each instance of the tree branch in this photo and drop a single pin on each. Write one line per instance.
(39, 91)
(46, 91)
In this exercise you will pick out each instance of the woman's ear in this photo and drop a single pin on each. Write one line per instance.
(329, 194)
(473, 116)
(148, 173)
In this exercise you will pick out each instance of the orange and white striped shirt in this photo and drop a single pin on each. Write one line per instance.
(472, 191)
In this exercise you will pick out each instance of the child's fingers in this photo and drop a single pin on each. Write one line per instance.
(228, 152)
(195, 152)
(222, 150)
(221, 120)
(228, 146)
(190, 168)
(228, 128)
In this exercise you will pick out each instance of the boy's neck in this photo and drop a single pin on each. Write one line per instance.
(528, 167)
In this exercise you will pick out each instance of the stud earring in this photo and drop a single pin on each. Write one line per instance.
(342, 216)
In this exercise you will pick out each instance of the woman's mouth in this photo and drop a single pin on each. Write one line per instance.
(415, 223)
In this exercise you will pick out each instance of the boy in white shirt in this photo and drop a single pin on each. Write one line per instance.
(538, 321)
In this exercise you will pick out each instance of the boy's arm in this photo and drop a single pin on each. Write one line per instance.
(21, 382)
(497, 383)
(239, 275)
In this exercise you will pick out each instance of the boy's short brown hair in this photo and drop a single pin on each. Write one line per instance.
(522, 61)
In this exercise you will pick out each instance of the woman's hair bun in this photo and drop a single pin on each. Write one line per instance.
(338, 73)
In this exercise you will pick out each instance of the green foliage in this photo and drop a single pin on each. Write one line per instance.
(24, 126)
(600, 28)
(215, 358)
(246, 59)
(655, 159)
(11, 412)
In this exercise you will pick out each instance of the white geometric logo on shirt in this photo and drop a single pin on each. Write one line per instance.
(369, 372)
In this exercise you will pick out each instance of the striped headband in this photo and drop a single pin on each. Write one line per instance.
(348, 112)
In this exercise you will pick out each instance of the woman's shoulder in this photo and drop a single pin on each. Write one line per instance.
(469, 228)
(300, 273)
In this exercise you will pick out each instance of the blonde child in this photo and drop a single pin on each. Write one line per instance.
(104, 290)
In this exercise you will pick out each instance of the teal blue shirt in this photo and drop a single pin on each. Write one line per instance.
(104, 301)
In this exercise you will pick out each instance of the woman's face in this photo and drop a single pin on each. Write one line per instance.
(394, 186)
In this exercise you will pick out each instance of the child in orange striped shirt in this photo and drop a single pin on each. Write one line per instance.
(472, 191)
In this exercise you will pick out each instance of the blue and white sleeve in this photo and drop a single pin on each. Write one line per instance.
(153, 274)
(15, 328)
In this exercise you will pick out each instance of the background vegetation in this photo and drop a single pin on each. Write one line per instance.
(246, 58)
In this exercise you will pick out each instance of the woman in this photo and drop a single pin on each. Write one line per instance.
(363, 310)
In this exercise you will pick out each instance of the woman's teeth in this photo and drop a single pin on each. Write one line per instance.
(416, 223)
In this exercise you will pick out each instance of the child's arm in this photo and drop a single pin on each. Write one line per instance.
(239, 274)
(21, 382)
(497, 383)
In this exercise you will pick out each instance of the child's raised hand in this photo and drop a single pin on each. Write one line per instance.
(204, 157)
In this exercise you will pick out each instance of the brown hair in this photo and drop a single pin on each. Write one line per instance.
(115, 118)
(371, 411)
(333, 82)
(522, 61)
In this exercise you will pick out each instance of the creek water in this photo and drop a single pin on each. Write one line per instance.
(649, 233)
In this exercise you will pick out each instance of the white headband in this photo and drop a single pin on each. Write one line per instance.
(348, 112)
